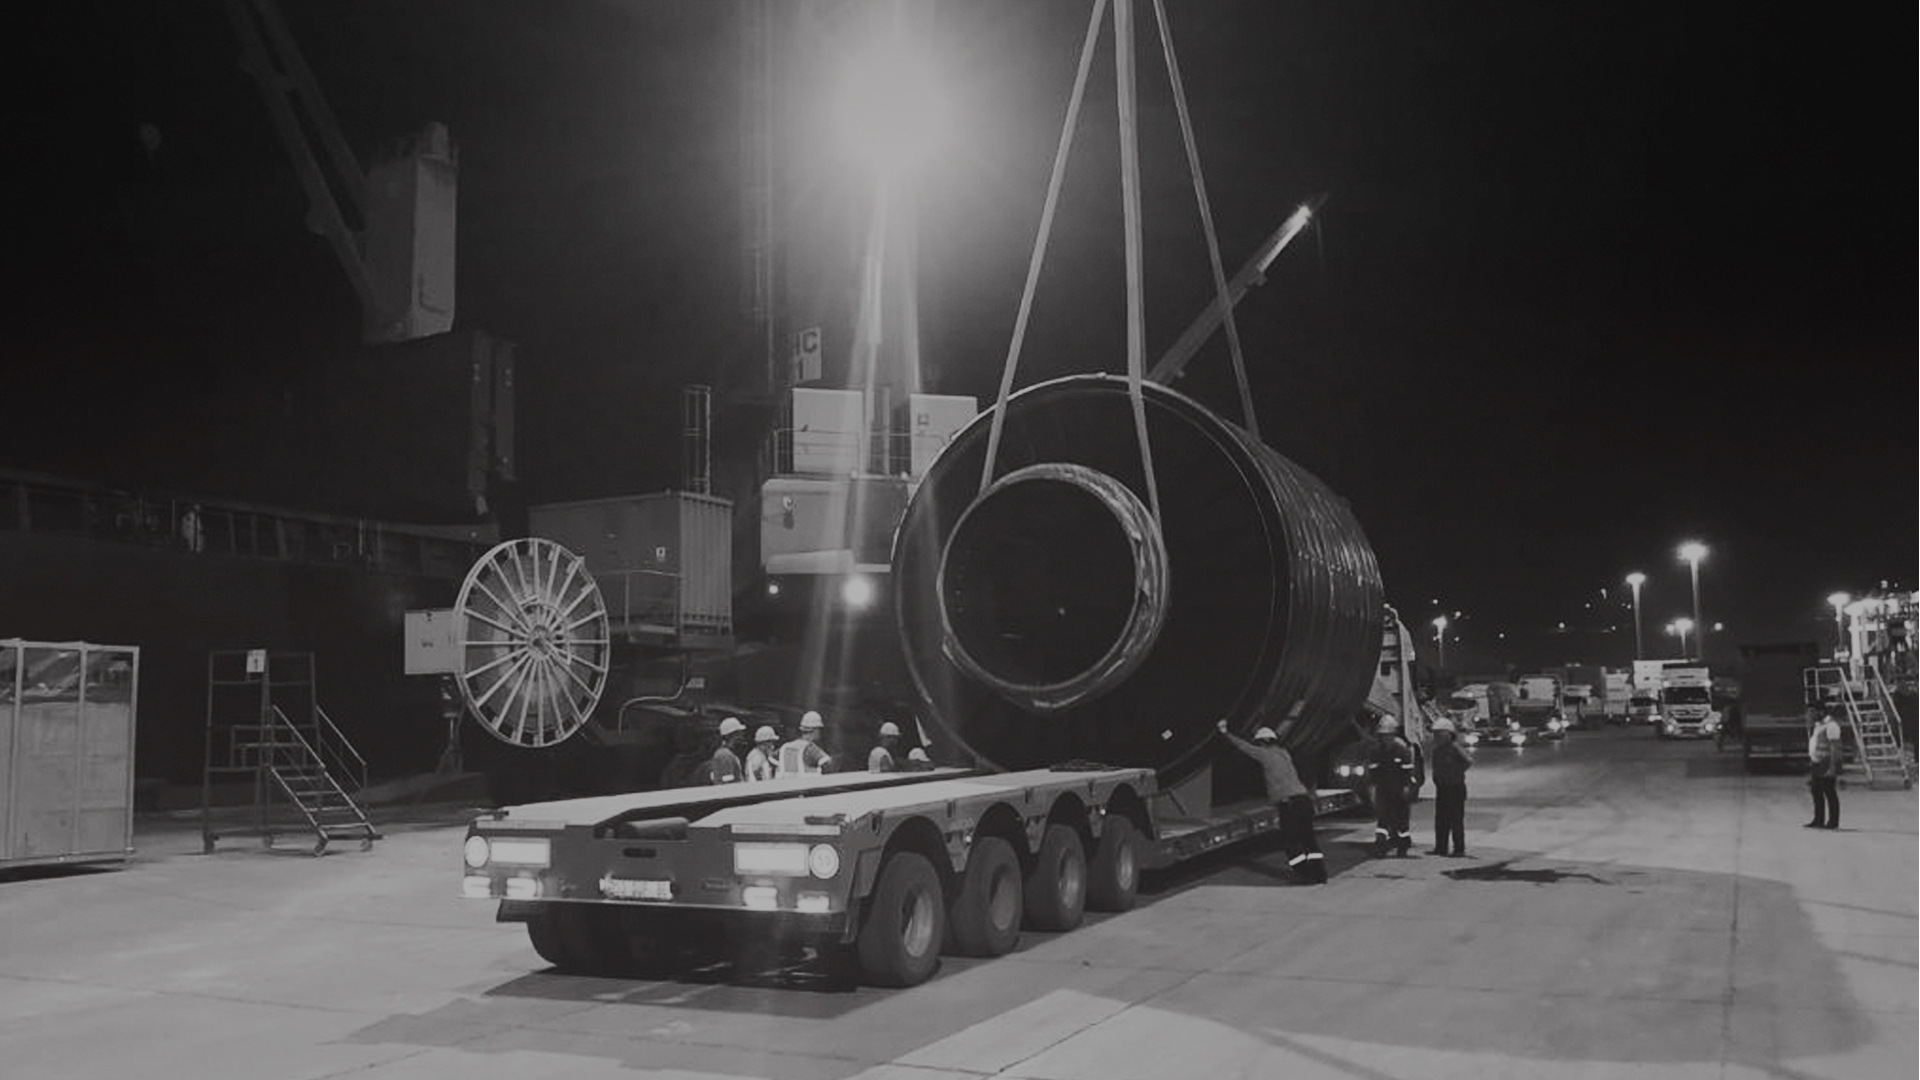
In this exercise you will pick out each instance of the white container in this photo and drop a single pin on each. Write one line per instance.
(66, 751)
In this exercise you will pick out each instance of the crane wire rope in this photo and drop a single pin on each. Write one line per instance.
(1040, 239)
(1124, 88)
(1206, 217)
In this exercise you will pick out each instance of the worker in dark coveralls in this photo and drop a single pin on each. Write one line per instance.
(1450, 765)
(1390, 770)
(1290, 797)
(725, 767)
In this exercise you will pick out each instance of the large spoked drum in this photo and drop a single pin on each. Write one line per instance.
(530, 630)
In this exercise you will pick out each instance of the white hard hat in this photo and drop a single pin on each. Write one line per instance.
(731, 726)
(811, 721)
(1443, 724)
(766, 734)
(1266, 734)
(889, 728)
(1387, 723)
(917, 754)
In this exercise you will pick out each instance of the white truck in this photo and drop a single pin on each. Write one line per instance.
(1686, 702)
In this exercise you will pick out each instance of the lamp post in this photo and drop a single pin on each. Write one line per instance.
(1440, 635)
(1637, 579)
(1839, 601)
(1693, 551)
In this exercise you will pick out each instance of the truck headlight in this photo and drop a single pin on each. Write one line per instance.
(789, 860)
(823, 861)
(475, 851)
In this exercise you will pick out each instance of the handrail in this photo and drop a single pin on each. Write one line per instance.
(357, 773)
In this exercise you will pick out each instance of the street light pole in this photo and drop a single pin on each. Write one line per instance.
(1693, 551)
(1637, 579)
(1440, 635)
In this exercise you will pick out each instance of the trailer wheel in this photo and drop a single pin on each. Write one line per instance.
(899, 940)
(985, 917)
(1113, 880)
(1056, 893)
(579, 939)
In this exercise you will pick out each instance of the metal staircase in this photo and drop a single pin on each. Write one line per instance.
(1873, 719)
(264, 725)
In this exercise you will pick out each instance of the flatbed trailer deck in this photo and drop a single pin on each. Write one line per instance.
(899, 866)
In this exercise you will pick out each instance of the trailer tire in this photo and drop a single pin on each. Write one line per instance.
(1056, 891)
(985, 917)
(579, 939)
(1113, 880)
(899, 940)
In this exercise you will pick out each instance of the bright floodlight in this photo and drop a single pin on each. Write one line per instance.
(890, 111)
(1636, 579)
(1693, 551)
(1683, 625)
(1840, 600)
(1440, 623)
(857, 591)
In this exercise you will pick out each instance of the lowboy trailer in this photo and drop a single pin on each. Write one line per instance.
(896, 867)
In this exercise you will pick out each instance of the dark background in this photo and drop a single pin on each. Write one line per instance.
(1590, 279)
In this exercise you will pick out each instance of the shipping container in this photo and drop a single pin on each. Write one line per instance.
(663, 562)
(66, 752)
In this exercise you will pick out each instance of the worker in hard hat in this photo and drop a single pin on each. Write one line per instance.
(763, 761)
(880, 758)
(1450, 765)
(725, 766)
(1291, 799)
(1390, 771)
(918, 761)
(804, 756)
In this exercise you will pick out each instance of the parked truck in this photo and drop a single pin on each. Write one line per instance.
(1772, 715)
(1686, 702)
(1618, 696)
(1539, 708)
(1643, 707)
(1070, 658)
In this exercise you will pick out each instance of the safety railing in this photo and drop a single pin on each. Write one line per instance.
(53, 507)
(337, 752)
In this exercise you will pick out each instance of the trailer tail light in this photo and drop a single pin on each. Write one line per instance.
(523, 888)
(474, 887)
(823, 861)
(814, 903)
(789, 860)
(517, 851)
(760, 897)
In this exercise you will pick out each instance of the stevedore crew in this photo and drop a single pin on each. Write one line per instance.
(803, 756)
(1823, 773)
(763, 759)
(1290, 797)
(880, 759)
(725, 766)
(1390, 770)
(1450, 765)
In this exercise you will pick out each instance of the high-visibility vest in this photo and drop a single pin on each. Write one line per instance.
(795, 759)
(761, 765)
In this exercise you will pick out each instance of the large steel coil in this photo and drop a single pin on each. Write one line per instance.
(1051, 618)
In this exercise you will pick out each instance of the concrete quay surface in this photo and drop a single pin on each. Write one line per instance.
(1630, 908)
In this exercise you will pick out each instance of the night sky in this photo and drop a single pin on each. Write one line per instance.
(1590, 279)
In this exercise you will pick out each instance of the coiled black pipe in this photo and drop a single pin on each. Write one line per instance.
(1051, 619)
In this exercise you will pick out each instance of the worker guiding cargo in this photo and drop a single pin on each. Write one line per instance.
(803, 756)
(725, 767)
(1290, 798)
(880, 758)
(763, 761)
(1391, 772)
(1450, 765)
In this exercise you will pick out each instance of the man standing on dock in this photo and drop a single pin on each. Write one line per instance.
(1290, 797)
